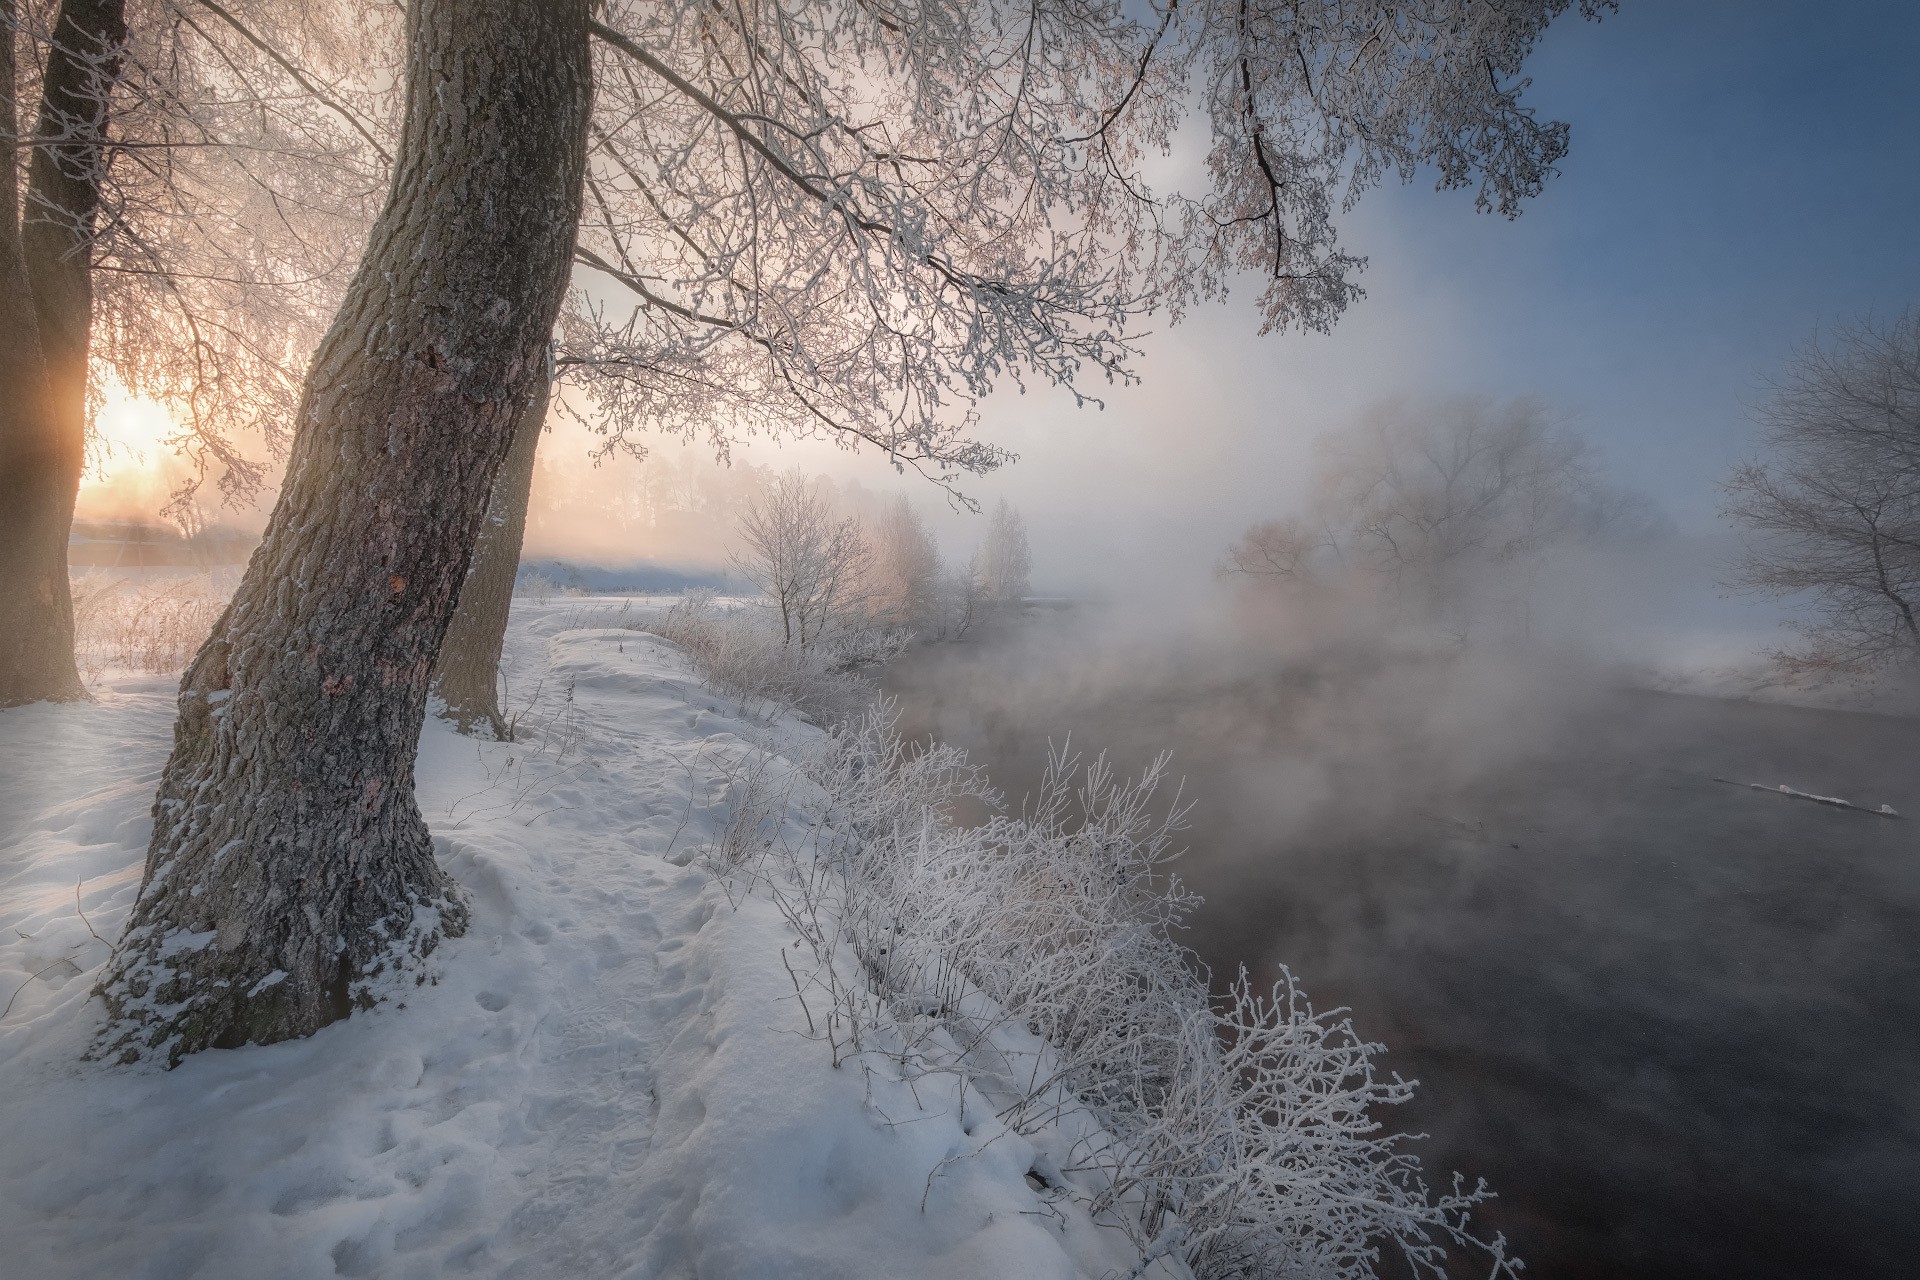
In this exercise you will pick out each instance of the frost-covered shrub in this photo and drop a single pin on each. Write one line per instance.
(741, 654)
(1035, 956)
(154, 627)
(534, 585)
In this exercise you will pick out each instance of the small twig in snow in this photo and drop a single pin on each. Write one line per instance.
(83, 915)
(29, 982)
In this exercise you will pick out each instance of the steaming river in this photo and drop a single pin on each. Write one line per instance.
(1674, 1023)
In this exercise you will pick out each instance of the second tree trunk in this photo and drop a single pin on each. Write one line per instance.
(46, 317)
(467, 679)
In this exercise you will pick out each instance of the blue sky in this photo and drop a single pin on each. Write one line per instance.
(1741, 173)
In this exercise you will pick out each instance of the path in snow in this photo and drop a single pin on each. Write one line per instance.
(607, 1079)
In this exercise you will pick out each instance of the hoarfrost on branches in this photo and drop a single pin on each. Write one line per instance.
(853, 219)
(243, 162)
(839, 218)
(1833, 509)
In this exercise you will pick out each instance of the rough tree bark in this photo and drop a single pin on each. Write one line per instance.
(291, 874)
(30, 617)
(43, 373)
(29, 613)
(467, 678)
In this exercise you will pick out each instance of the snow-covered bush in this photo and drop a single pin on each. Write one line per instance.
(742, 655)
(534, 585)
(1034, 956)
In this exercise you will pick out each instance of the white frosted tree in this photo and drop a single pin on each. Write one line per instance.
(185, 204)
(1425, 495)
(1832, 510)
(1004, 565)
(809, 562)
(904, 574)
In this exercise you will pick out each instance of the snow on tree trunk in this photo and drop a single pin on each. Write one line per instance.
(43, 380)
(467, 678)
(290, 868)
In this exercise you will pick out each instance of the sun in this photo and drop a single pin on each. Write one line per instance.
(129, 433)
(132, 468)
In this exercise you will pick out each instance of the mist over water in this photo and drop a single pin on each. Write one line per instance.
(1675, 1023)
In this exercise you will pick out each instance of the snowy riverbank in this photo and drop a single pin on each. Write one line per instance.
(609, 1077)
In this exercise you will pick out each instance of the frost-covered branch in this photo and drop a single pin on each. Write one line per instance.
(870, 215)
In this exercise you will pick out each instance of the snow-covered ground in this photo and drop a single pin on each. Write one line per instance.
(1759, 679)
(610, 1077)
(1739, 665)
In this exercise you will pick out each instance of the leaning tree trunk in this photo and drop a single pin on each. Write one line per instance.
(467, 678)
(291, 876)
(43, 428)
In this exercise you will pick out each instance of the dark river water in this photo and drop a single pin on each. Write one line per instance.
(1675, 1023)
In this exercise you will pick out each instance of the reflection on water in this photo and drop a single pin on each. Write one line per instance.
(1675, 1023)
